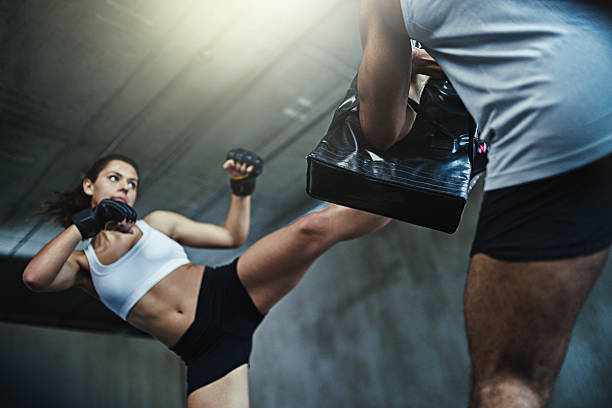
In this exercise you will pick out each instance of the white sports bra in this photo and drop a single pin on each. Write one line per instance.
(124, 282)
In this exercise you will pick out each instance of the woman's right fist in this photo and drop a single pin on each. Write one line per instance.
(109, 214)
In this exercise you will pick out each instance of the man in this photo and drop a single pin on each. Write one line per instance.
(535, 76)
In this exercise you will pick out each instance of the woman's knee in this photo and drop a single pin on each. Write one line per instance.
(314, 224)
(314, 230)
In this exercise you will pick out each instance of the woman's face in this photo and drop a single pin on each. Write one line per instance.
(117, 181)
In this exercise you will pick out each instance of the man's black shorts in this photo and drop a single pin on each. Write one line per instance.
(564, 216)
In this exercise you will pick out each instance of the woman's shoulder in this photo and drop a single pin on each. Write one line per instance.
(83, 276)
(163, 221)
(80, 258)
(158, 216)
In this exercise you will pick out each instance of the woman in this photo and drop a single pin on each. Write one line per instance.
(139, 269)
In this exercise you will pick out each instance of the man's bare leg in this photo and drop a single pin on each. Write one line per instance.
(519, 318)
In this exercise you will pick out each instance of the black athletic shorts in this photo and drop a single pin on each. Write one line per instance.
(220, 338)
(564, 216)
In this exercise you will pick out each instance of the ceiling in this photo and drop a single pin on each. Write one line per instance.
(174, 85)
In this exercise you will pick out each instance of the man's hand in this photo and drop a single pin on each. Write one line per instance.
(423, 63)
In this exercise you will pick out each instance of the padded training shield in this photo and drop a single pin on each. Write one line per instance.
(423, 179)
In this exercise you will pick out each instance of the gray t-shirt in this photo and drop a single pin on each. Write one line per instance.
(536, 76)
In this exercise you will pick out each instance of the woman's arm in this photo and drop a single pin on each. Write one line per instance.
(57, 265)
(243, 167)
(192, 233)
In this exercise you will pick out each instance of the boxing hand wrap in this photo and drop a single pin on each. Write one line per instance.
(245, 185)
(242, 187)
(90, 221)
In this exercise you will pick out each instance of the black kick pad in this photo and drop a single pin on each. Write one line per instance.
(423, 179)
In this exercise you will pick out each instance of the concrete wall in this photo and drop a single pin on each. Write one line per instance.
(53, 368)
(377, 322)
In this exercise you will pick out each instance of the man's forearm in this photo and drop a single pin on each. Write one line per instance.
(384, 77)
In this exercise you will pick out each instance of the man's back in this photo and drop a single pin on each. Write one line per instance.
(527, 71)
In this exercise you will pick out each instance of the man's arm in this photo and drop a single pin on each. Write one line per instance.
(384, 73)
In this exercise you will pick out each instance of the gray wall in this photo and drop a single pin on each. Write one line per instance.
(53, 368)
(377, 322)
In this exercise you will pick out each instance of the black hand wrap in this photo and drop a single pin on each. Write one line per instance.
(90, 221)
(245, 185)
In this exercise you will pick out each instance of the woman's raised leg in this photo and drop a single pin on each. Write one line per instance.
(274, 265)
